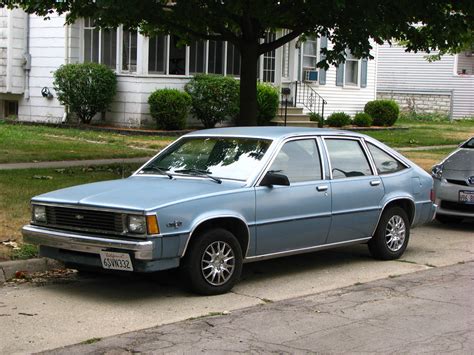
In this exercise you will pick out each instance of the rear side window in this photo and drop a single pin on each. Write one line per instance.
(347, 158)
(384, 162)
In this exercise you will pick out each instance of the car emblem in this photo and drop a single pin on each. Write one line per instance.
(470, 180)
(79, 217)
(175, 224)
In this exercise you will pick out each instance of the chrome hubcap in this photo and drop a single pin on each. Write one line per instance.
(217, 263)
(395, 233)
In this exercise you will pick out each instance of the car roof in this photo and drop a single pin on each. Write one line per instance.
(271, 132)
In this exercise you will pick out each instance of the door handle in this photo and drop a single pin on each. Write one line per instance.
(375, 183)
(322, 188)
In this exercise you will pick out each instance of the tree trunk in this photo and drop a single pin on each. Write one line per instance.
(248, 84)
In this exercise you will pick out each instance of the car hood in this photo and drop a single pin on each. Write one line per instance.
(462, 160)
(141, 193)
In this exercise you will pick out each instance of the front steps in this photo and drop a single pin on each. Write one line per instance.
(295, 117)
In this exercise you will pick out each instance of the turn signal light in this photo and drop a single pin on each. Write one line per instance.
(152, 225)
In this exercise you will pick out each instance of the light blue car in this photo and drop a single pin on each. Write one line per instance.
(215, 199)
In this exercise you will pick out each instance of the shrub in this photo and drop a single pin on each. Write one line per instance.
(338, 119)
(362, 119)
(316, 117)
(169, 107)
(214, 98)
(383, 112)
(86, 88)
(267, 103)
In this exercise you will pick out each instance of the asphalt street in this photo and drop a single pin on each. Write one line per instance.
(51, 314)
(424, 312)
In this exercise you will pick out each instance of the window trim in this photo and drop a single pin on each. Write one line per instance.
(352, 86)
(277, 150)
(364, 150)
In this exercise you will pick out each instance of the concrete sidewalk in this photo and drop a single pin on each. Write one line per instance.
(70, 163)
(427, 311)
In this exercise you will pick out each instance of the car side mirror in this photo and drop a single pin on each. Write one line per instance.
(272, 178)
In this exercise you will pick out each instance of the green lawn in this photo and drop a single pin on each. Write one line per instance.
(421, 133)
(18, 186)
(23, 143)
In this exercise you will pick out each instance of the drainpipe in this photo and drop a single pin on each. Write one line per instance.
(66, 61)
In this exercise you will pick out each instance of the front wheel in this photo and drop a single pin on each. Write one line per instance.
(391, 236)
(213, 263)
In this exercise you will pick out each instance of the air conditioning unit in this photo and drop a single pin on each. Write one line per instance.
(310, 75)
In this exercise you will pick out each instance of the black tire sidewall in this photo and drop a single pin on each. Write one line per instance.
(378, 246)
(192, 261)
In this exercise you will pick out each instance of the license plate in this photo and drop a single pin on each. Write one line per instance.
(466, 196)
(116, 261)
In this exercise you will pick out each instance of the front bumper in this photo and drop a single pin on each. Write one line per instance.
(93, 244)
(447, 199)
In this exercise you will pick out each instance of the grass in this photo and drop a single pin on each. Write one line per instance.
(427, 158)
(26, 251)
(425, 133)
(18, 186)
(23, 143)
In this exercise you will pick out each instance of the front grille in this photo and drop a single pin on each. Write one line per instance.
(460, 207)
(76, 218)
(457, 182)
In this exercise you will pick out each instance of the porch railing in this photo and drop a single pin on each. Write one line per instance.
(305, 95)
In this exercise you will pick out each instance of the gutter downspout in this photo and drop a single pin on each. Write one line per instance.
(66, 61)
(27, 58)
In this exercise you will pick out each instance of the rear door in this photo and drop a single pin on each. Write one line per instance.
(356, 189)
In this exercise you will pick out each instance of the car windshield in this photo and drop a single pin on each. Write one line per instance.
(216, 157)
(469, 144)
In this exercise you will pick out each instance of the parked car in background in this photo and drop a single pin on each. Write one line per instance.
(215, 199)
(454, 184)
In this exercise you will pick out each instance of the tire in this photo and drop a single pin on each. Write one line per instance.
(207, 275)
(388, 247)
(445, 219)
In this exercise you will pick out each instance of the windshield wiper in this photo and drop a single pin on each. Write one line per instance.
(199, 172)
(158, 170)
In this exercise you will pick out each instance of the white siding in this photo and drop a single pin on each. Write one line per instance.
(12, 49)
(411, 72)
(47, 41)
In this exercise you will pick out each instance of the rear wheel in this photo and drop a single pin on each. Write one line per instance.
(213, 263)
(391, 236)
(445, 219)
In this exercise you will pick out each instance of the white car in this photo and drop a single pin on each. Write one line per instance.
(454, 184)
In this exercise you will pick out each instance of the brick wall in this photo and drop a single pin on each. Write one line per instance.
(420, 102)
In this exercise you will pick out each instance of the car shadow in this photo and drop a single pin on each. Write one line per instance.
(467, 225)
(122, 287)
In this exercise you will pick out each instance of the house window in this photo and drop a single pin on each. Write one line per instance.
(465, 63)
(310, 53)
(129, 51)
(177, 57)
(233, 60)
(351, 76)
(285, 57)
(269, 60)
(10, 109)
(91, 41)
(100, 45)
(197, 57)
(216, 57)
(157, 54)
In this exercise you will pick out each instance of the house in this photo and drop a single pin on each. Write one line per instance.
(32, 48)
(445, 86)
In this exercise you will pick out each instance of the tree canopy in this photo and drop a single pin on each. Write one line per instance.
(422, 25)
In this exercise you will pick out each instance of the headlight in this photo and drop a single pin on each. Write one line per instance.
(136, 224)
(39, 214)
(437, 171)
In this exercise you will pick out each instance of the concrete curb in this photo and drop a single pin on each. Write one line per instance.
(8, 269)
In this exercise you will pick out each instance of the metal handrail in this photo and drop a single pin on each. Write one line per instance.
(305, 95)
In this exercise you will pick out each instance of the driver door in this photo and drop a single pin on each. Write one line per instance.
(296, 216)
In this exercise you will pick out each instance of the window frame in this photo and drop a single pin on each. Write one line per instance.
(359, 71)
(365, 151)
